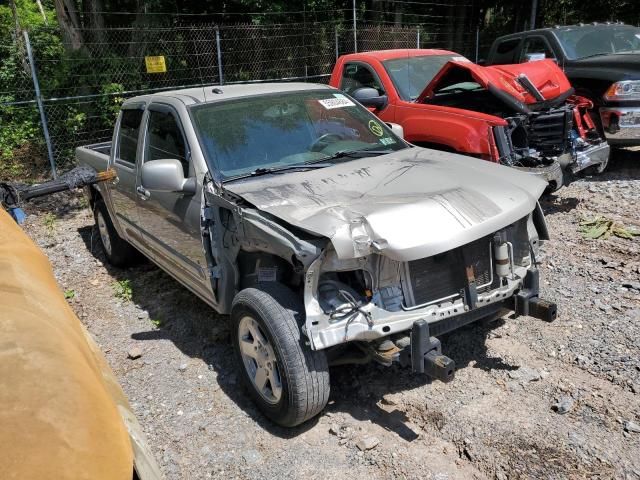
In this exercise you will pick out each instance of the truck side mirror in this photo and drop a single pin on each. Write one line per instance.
(369, 97)
(397, 129)
(166, 176)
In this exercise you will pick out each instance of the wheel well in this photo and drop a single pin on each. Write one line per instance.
(261, 267)
(93, 194)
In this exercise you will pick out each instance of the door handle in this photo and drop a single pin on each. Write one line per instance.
(143, 193)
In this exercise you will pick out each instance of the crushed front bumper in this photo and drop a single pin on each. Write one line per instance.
(371, 322)
(595, 155)
(552, 174)
(424, 352)
(621, 125)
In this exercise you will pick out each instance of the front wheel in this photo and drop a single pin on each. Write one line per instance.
(288, 381)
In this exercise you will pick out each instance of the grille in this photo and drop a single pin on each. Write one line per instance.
(443, 275)
(549, 131)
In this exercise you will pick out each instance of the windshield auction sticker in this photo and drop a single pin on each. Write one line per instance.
(376, 128)
(338, 101)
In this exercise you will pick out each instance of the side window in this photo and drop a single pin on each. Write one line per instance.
(128, 135)
(165, 139)
(536, 45)
(506, 51)
(357, 75)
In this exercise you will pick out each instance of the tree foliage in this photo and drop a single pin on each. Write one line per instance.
(76, 48)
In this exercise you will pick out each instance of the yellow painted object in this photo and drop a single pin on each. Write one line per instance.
(61, 409)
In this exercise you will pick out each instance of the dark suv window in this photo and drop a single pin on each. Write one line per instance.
(165, 140)
(536, 45)
(128, 135)
(506, 51)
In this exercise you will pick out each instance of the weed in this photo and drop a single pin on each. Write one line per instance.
(602, 227)
(50, 223)
(69, 294)
(157, 322)
(122, 290)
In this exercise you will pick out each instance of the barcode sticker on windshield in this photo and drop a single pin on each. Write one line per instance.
(338, 101)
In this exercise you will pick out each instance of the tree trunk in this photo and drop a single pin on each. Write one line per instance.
(69, 24)
(93, 19)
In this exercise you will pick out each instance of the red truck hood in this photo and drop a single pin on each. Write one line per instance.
(548, 78)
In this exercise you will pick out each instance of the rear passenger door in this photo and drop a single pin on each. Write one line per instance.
(125, 147)
(170, 221)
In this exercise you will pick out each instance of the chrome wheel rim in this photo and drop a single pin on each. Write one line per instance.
(104, 233)
(259, 360)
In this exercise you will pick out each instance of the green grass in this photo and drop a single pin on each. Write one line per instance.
(122, 290)
(69, 294)
(157, 322)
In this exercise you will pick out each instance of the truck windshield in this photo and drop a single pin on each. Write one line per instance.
(276, 131)
(590, 41)
(410, 75)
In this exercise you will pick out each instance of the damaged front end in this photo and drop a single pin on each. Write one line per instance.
(547, 128)
(546, 140)
(395, 309)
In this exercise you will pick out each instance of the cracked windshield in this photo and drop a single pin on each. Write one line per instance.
(286, 131)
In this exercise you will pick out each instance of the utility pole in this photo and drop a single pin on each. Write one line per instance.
(355, 30)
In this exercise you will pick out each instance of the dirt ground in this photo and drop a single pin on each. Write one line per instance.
(530, 399)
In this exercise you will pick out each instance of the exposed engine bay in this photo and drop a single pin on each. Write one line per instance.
(564, 133)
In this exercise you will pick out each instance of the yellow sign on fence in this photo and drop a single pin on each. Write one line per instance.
(155, 64)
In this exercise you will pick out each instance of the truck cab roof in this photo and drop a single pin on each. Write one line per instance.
(382, 55)
(214, 93)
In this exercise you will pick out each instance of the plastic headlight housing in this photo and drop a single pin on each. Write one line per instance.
(624, 90)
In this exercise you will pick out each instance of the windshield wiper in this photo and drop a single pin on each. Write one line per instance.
(355, 153)
(595, 55)
(298, 166)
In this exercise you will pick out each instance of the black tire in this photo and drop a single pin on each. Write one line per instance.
(118, 251)
(303, 373)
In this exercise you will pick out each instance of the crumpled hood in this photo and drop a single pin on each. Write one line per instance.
(547, 77)
(410, 204)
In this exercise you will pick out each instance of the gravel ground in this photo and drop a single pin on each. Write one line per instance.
(530, 399)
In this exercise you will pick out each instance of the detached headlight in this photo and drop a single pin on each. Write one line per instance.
(624, 90)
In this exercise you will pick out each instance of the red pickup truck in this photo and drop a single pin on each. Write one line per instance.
(525, 116)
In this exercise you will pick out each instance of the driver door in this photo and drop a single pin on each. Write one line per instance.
(170, 221)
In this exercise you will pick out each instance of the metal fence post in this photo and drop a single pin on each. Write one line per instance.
(417, 37)
(355, 29)
(477, 42)
(335, 31)
(43, 117)
(220, 77)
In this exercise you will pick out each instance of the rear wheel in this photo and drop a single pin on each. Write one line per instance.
(287, 380)
(118, 251)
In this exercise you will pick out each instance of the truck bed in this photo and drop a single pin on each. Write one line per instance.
(95, 155)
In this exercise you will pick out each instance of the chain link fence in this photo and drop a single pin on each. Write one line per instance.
(84, 79)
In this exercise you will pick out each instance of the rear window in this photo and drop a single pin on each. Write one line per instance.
(128, 135)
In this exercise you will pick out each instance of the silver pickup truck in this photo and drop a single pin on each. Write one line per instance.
(324, 235)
